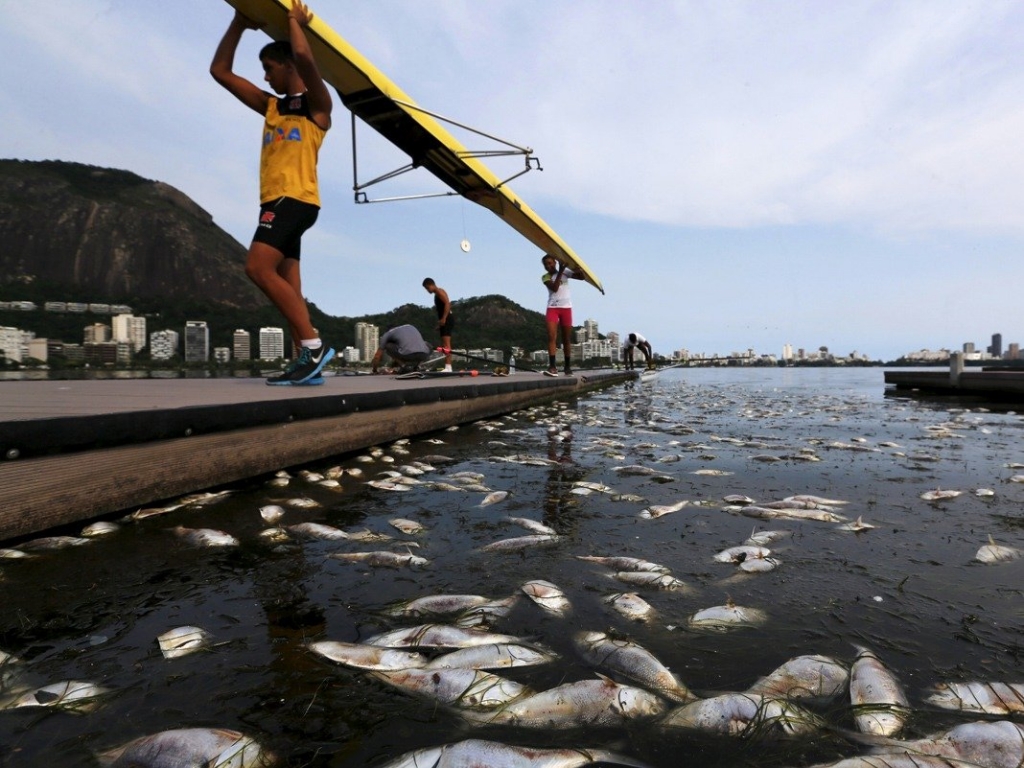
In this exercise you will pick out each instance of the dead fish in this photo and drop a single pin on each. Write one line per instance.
(73, 695)
(631, 660)
(548, 596)
(629, 497)
(520, 542)
(189, 748)
(658, 510)
(624, 563)
(481, 615)
(100, 528)
(812, 676)
(48, 543)
(303, 502)
(493, 498)
(318, 531)
(455, 687)
(381, 558)
(940, 495)
(991, 744)
(389, 485)
(204, 499)
(880, 706)
(438, 636)
(736, 498)
(980, 697)
(271, 513)
(856, 526)
(711, 472)
(995, 553)
(744, 715)
(493, 656)
(477, 752)
(14, 554)
(722, 618)
(636, 470)
(205, 537)
(764, 538)
(274, 535)
(363, 656)
(741, 553)
(366, 535)
(532, 525)
(817, 500)
(765, 513)
(651, 579)
(182, 641)
(585, 703)
(630, 605)
(984, 493)
(436, 605)
(408, 527)
(760, 564)
(591, 486)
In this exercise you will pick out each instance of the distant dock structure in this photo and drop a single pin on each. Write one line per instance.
(997, 383)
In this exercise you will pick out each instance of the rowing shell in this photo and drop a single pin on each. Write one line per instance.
(371, 96)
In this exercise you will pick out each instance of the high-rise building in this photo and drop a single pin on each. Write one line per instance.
(968, 347)
(590, 330)
(197, 341)
(787, 352)
(163, 345)
(242, 344)
(131, 329)
(367, 340)
(96, 333)
(271, 343)
(996, 349)
(222, 354)
(1013, 351)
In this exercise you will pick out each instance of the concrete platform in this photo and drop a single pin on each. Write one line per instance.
(80, 449)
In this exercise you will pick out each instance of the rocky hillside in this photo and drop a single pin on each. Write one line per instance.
(105, 232)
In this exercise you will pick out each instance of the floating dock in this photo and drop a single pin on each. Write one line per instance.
(78, 449)
(996, 383)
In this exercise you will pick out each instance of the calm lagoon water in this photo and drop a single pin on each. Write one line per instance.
(908, 589)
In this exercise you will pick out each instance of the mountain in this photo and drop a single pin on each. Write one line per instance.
(74, 232)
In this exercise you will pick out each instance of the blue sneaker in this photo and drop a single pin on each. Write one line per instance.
(313, 382)
(310, 363)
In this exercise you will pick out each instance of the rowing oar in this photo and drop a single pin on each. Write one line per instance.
(447, 351)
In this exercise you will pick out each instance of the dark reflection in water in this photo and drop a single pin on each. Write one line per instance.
(908, 588)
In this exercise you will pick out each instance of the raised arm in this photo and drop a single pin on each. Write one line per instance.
(317, 95)
(223, 63)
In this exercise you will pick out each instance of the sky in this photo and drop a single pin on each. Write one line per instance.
(740, 175)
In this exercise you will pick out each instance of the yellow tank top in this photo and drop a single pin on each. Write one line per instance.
(291, 144)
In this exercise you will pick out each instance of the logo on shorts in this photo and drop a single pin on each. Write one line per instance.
(267, 219)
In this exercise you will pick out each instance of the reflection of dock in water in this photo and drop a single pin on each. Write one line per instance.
(83, 448)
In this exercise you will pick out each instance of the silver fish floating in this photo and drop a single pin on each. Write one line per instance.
(318, 531)
(436, 605)
(72, 695)
(586, 703)
(631, 660)
(477, 752)
(532, 525)
(652, 579)
(548, 596)
(655, 511)
(630, 605)
(493, 498)
(980, 697)
(492, 656)
(371, 657)
(100, 528)
(624, 563)
(880, 706)
(182, 641)
(995, 553)
(408, 527)
(438, 636)
(521, 542)
(189, 748)
(459, 687)
(805, 677)
(383, 559)
(205, 537)
(723, 618)
(745, 715)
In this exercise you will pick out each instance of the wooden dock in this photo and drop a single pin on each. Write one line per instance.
(79, 449)
(1002, 384)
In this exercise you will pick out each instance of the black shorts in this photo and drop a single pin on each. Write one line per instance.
(282, 224)
(446, 329)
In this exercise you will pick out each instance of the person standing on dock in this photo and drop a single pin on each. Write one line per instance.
(556, 279)
(445, 320)
(636, 341)
(405, 346)
(295, 123)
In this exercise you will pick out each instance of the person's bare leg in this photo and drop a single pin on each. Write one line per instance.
(567, 345)
(262, 267)
(288, 269)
